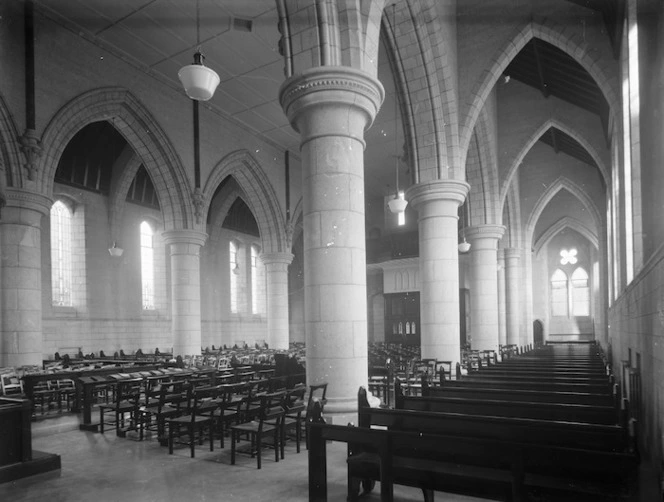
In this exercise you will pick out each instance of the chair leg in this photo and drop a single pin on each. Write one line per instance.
(258, 449)
(298, 434)
(232, 447)
(101, 420)
(192, 439)
(211, 429)
(170, 439)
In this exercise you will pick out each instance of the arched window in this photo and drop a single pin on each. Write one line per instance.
(234, 271)
(408, 327)
(61, 252)
(147, 265)
(559, 295)
(254, 280)
(580, 293)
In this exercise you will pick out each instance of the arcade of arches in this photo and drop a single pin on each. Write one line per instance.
(530, 129)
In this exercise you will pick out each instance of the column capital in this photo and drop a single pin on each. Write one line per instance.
(25, 199)
(276, 258)
(512, 253)
(448, 190)
(478, 232)
(185, 236)
(322, 86)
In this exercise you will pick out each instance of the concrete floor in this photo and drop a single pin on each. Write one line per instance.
(102, 467)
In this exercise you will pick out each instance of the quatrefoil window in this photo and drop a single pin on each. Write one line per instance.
(568, 256)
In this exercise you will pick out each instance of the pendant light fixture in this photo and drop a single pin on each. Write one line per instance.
(464, 246)
(198, 80)
(397, 205)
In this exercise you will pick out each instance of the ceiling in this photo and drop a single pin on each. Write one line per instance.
(239, 39)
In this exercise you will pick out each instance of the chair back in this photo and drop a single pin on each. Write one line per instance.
(272, 408)
(294, 399)
(129, 390)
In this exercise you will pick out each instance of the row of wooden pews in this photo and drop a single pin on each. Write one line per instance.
(544, 425)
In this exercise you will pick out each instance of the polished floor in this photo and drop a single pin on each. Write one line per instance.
(102, 467)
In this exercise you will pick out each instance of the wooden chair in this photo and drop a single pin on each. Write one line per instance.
(231, 398)
(127, 400)
(153, 417)
(266, 425)
(12, 385)
(193, 424)
(294, 406)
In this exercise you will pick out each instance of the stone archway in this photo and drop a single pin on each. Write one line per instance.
(142, 132)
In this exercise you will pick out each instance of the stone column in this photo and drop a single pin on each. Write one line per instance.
(484, 285)
(21, 277)
(185, 246)
(331, 107)
(512, 295)
(437, 204)
(502, 318)
(276, 283)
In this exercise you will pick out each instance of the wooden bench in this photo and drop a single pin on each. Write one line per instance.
(467, 388)
(481, 467)
(488, 406)
(512, 429)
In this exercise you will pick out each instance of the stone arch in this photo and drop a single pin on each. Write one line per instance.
(604, 172)
(561, 183)
(484, 195)
(130, 117)
(427, 110)
(295, 227)
(555, 34)
(260, 197)
(10, 156)
(561, 224)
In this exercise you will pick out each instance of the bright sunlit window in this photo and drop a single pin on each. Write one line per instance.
(147, 265)
(234, 270)
(61, 251)
(580, 293)
(401, 219)
(559, 294)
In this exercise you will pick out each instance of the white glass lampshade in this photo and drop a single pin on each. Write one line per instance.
(397, 205)
(115, 251)
(464, 246)
(199, 81)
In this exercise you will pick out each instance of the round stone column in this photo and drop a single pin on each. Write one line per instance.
(437, 204)
(21, 277)
(484, 285)
(185, 246)
(331, 107)
(502, 319)
(276, 283)
(513, 314)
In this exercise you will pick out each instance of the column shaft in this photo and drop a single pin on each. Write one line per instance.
(21, 278)
(185, 246)
(437, 203)
(276, 283)
(484, 285)
(512, 295)
(502, 314)
(331, 107)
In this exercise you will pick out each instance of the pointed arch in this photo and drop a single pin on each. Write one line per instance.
(132, 119)
(557, 35)
(561, 183)
(260, 197)
(570, 131)
(484, 194)
(561, 224)
(10, 156)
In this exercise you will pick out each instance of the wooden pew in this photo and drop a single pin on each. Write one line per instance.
(526, 430)
(470, 389)
(476, 466)
(607, 415)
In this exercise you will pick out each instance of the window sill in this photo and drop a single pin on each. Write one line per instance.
(64, 312)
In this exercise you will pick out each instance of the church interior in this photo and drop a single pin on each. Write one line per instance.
(304, 200)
